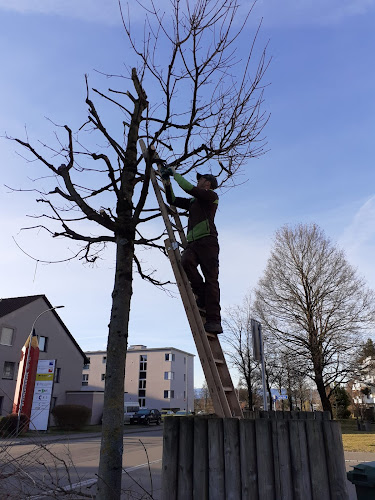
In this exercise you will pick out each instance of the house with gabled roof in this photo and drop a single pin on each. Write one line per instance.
(17, 316)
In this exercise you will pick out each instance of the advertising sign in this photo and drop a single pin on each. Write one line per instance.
(42, 395)
(23, 396)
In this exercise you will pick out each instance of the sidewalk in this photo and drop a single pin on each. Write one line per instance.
(41, 437)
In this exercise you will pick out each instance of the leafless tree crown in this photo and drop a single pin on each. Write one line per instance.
(313, 301)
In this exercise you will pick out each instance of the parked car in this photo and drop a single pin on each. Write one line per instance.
(183, 413)
(146, 417)
(130, 409)
(166, 413)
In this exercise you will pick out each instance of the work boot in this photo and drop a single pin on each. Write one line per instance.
(212, 327)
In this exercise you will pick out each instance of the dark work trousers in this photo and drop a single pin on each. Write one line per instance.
(204, 253)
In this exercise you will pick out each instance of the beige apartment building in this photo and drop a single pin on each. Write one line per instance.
(17, 317)
(161, 378)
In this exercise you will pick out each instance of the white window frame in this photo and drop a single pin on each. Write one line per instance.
(12, 366)
(45, 345)
(2, 342)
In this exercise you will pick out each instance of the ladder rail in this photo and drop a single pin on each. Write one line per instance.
(157, 188)
(212, 359)
(209, 366)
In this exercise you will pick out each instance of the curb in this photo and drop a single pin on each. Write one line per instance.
(45, 439)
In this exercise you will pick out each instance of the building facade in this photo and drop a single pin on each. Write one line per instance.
(17, 316)
(364, 390)
(161, 378)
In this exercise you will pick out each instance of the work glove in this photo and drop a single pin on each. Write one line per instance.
(166, 172)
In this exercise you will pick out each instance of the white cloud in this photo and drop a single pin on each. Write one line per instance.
(275, 12)
(292, 12)
(358, 240)
(101, 11)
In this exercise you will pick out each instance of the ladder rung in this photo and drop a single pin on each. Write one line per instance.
(211, 335)
(219, 361)
(228, 389)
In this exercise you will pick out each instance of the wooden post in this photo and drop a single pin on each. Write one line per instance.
(335, 460)
(232, 459)
(283, 445)
(185, 458)
(200, 468)
(248, 454)
(266, 481)
(170, 458)
(317, 460)
(300, 460)
(216, 482)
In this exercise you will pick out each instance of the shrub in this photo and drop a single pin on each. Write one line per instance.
(71, 417)
(8, 425)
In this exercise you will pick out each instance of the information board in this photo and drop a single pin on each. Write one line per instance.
(42, 395)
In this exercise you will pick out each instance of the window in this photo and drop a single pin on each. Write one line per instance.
(184, 394)
(168, 394)
(168, 375)
(85, 379)
(43, 343)
(103, 376)
(142, 375)
(169, 357)
(142, 393)
(1, 404)
(86, 366)
(8, 370)
(142, 402)
(104, 360)
(57, 375)
(143, 357)
(142, 384)
(184, 377)
(184, 360)
(143, 365)
(6, 336)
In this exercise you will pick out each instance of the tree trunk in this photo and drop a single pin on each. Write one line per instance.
(249, 392)
(326, 404)
(110, 465)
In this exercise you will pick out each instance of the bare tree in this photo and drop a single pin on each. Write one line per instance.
(238, 337)
(315, 304)
(206, 105)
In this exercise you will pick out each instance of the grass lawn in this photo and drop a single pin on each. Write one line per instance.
(354, 440)
(55, 431)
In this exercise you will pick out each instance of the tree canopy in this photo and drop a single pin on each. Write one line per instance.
(315, 304)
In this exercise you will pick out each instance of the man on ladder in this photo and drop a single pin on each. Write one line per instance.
(203, 245)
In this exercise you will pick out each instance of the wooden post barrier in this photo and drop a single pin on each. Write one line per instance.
(253, 459)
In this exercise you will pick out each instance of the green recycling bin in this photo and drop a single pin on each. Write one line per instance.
(363, 476)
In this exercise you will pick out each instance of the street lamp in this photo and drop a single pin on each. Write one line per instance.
(25, 377)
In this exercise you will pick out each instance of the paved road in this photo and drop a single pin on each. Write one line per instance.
(30, 464)
(41, 470)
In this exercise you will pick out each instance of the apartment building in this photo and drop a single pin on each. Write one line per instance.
(364, 390)
(17, 316)
(154, 377)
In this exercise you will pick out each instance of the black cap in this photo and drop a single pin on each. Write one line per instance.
(210, 178)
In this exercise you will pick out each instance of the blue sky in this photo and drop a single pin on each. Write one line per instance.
(319, 167)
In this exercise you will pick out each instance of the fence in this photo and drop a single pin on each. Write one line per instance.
(301, 415)
(252, 459)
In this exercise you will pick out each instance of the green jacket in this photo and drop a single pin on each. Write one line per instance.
(202, 208)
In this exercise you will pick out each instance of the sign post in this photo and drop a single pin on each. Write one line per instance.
(258, 353)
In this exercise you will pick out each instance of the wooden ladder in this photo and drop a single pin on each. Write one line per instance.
(211, 356)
